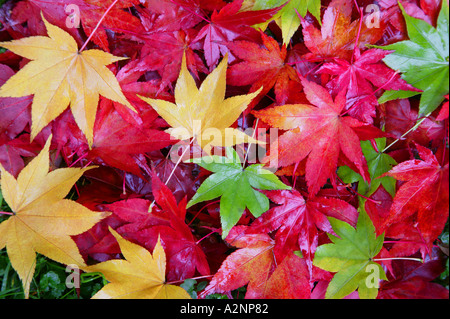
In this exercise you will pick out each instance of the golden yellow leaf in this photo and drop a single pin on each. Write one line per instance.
(42, 219)
(58, 74)
(203, 112)
(140, 276)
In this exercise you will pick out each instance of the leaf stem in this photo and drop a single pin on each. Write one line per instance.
(178, 281)
(415, 127)
(209, 234)
(6, 213)
(179, 160)
(98, 25)
(198, 213)
(399, 258)
(356, 47)
(250, 144)
(173, 170)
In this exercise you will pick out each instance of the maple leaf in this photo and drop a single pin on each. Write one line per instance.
(378, 163)
(15, 116)
(89, 12)
(204, 113)
(425, 192)
(350, 255)
(290, 280)
(358, 78)
(58, 74)
(141, 275)
(297, 221)
(252, 264)
(320, 133)
(402, 116)
(423, 59)
(118, 20)
(15, 111)
(163, 52)
(227, 25)
(166, 220)
(235, 187)
(415, 282)
(118, 143)
(36, 200)
(336, 39)
(171, 15)
(262, 67)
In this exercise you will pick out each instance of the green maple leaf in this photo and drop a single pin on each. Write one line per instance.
(423, 60)
(378, 163)
(350, 256)
(235, 187)
(287, 17)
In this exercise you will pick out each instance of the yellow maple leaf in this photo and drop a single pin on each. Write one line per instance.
(42, 220)
(204, 113)
(58, 74)
(140, 276)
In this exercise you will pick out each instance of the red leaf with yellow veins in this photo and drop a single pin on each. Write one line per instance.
(321, 132)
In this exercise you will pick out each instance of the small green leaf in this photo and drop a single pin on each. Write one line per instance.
(379, 163)
(350, 256)
(236, 187)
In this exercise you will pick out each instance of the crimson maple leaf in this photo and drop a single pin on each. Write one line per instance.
(184, 256)
(117, 142)
(359, 77)
(298, 221)
(263, 66)
(254, 265)
(229, 25)
(15, 115)
(163, 52)
(402, 115)
(321, 132)
(338, 34)
(425, 192)
(90, 13)
(173, 15)
(15, 111)
(414, 282)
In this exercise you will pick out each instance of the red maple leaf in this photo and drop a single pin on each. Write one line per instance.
(425, 192)
(263, 66)
(402, 115)
(15, 116)
(414, 282)
(163, 52)
(167, 220)
(298, 221)
(321, 132)
(117, 142)
(359, 77)
(338, 34)
(173, 15)
(254, 265)
(229, 25)
(91, 11)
